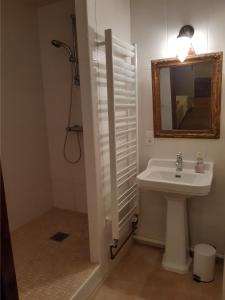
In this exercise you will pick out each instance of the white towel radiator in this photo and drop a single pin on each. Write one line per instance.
(121, 71)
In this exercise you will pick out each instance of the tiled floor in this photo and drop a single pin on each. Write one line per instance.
(47, 269)
(140, 276)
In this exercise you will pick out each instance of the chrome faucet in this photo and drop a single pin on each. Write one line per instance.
(179, 162)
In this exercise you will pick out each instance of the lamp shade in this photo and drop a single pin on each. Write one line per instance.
(184, 41)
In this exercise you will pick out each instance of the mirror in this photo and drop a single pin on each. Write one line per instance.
(186, 96)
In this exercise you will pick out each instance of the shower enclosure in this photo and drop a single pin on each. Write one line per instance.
(41, 121)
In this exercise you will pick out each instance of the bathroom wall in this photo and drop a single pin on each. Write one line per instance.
(102, 14)
(68, 180)
(154, 26)
(113, 15)
(24, 151)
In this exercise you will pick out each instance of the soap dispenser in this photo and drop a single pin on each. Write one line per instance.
(199, 166)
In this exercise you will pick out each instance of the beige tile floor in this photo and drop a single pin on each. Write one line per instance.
(50, 270)
(140, 276)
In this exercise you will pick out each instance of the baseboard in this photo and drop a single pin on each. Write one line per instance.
(161, 244)
(149, 242)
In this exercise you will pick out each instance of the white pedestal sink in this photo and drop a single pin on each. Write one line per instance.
(160, 176)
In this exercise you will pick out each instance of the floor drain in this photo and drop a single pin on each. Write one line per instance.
(59, 236)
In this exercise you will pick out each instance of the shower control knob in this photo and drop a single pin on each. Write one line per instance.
(75, 128)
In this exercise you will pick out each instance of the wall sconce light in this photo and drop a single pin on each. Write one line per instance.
(184, 45)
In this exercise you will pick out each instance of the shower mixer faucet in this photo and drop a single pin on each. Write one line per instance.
(74, 128)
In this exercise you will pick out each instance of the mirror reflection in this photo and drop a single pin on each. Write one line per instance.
(185, 96)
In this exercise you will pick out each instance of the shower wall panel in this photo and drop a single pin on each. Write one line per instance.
(104, 14)
(24, 150)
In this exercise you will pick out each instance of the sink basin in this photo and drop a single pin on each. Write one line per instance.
(161, 175)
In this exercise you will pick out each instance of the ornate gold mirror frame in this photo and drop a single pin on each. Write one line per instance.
(212, 133)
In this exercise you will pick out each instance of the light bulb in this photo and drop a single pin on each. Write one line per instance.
(183, 46)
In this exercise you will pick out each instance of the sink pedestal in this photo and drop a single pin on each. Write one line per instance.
(176, 257)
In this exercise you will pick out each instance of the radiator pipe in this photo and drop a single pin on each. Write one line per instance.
(115, 242)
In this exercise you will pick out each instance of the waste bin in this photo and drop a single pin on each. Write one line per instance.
(204, 263)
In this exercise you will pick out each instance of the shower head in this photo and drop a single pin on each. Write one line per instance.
(60, 44)
(56, 43)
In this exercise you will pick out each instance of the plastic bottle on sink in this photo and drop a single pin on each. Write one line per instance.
(199, 166)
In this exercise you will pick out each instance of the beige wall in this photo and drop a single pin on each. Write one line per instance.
(24, 140)
(155, 25)
(68, 181)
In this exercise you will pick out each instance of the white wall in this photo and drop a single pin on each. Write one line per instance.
(24, 141)
(102, 14)
(68, 181)
(114, 14)
(155, 25)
